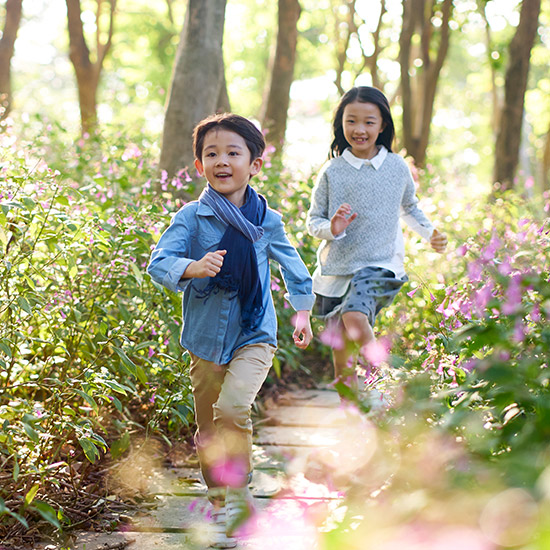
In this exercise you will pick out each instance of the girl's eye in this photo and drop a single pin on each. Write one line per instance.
(233, 153)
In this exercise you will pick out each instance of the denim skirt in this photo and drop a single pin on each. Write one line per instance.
(370, 290)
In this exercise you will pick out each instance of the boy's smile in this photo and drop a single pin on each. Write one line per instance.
(226, 164)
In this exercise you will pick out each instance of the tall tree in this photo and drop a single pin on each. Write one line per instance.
(545, 165)
(509, 133)
(423, 43)
(9, 34)
(198, 82)
(348, 24)
(88, 71)
(274, 118)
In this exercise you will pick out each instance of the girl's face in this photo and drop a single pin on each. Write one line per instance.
(362, 123)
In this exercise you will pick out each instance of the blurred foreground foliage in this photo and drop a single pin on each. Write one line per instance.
(90, 360)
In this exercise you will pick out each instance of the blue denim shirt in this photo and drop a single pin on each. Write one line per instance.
(211, 327)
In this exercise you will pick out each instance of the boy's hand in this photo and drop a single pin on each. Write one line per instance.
(302, 332)
(208, 266)
(341, 219)
(438, 241)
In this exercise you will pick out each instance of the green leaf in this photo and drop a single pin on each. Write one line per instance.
(88, 398)
(89, 448)
(141, 375)
(277, 366)
(116, 386)
(5, 510)
(137, 273)
(120, 446)
(126, 360)
(116, 402)
(29, 497)
(29, 203)
(62, 200)
(47, 512)
(5, 347)
(31, 432)
(23, 304)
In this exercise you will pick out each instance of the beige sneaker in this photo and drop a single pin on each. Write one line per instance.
(239, 508)
(218, 528)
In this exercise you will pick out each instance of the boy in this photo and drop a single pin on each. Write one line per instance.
(217, 251)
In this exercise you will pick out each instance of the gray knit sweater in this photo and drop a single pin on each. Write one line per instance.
(379, 196)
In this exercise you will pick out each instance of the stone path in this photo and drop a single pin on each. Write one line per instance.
(289, 486)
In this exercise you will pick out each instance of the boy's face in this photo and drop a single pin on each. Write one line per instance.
(226, 164)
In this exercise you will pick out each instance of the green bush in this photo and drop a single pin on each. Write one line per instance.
(89, 349)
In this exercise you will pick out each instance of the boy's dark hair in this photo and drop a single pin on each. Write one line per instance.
(253, 138)
(363, 94)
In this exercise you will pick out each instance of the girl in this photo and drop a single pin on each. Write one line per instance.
(357, 201)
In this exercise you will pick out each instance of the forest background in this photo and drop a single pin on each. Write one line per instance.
(100, 97)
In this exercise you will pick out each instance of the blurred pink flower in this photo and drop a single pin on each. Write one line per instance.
(332, 335)
(513, 296)
(230, 472)
(376, 352)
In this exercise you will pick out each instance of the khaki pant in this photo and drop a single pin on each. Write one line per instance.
(223, 397)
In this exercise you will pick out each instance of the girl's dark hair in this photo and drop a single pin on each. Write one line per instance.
(253, 138)
(363, 94)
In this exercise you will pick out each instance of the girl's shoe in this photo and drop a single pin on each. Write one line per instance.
(218, 536)
(239, 507)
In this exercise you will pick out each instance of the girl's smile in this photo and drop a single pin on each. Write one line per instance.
(362, 123)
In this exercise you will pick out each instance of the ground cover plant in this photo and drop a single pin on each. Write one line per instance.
(91, 365)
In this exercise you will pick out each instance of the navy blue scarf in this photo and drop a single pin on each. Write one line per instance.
(239, 272)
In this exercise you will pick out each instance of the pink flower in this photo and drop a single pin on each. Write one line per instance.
(492, 247)
(474, 271)
(231, 472)
(513, 296)
(519, 331)
(376, 352)
(413, 292)
(332, 335)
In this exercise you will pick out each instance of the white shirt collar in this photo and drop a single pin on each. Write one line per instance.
(356, 162)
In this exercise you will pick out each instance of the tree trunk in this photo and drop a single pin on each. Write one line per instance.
(419, 86)
(495, 99)
(87, 72)
(371, 61)
(9, 34)
(197, 80)
(545, 164)
(509, 133)
(224, 105)
(342, 40)
(282, 74)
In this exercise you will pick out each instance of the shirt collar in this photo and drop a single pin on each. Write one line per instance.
(204, 210)
(356, 162)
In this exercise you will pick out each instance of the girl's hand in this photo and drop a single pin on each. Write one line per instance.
(438, 241)
(208, 266)
(341, 219)
(302, 333)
